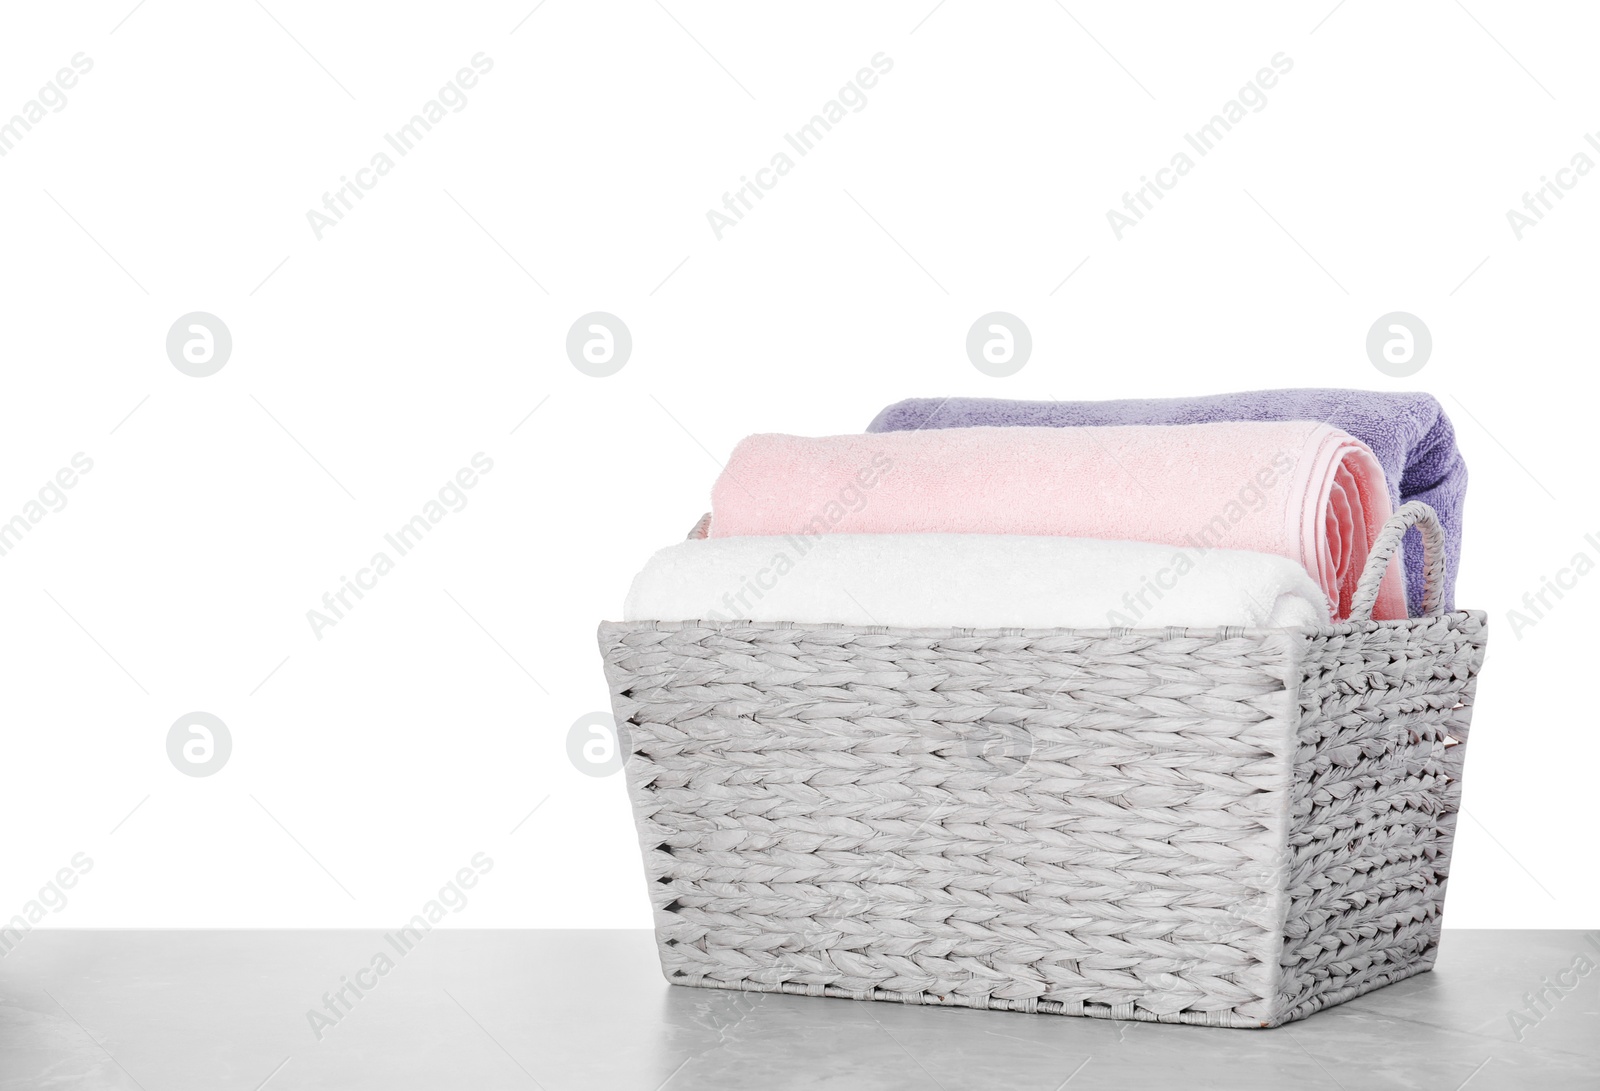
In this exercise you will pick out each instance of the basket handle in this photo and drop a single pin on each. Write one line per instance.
(1413, 513)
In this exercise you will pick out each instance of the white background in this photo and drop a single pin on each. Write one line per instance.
(368, 766)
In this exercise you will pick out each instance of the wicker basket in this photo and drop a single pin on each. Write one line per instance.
(1226, 827)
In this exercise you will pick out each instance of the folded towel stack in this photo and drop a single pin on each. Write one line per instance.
(1035, 515)
(1408, 433)
(976, 581)
(1301, 490)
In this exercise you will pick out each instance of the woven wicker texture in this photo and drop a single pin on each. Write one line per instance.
(1385, 711)
(1221, 827)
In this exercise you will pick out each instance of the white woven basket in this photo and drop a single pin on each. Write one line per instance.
(1226, 827)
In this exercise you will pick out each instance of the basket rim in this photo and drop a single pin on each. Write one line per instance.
(1175, 632)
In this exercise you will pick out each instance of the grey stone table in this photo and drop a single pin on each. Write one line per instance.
(582, 1010)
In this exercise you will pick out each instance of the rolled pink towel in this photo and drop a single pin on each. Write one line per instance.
(1299, 489)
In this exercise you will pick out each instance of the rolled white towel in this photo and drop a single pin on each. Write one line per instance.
(980, 581)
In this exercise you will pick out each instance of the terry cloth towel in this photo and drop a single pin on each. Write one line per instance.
(981, 581)
(1299, 489)
(1409, 433)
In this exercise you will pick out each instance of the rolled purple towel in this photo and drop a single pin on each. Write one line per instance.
(1409, 433)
